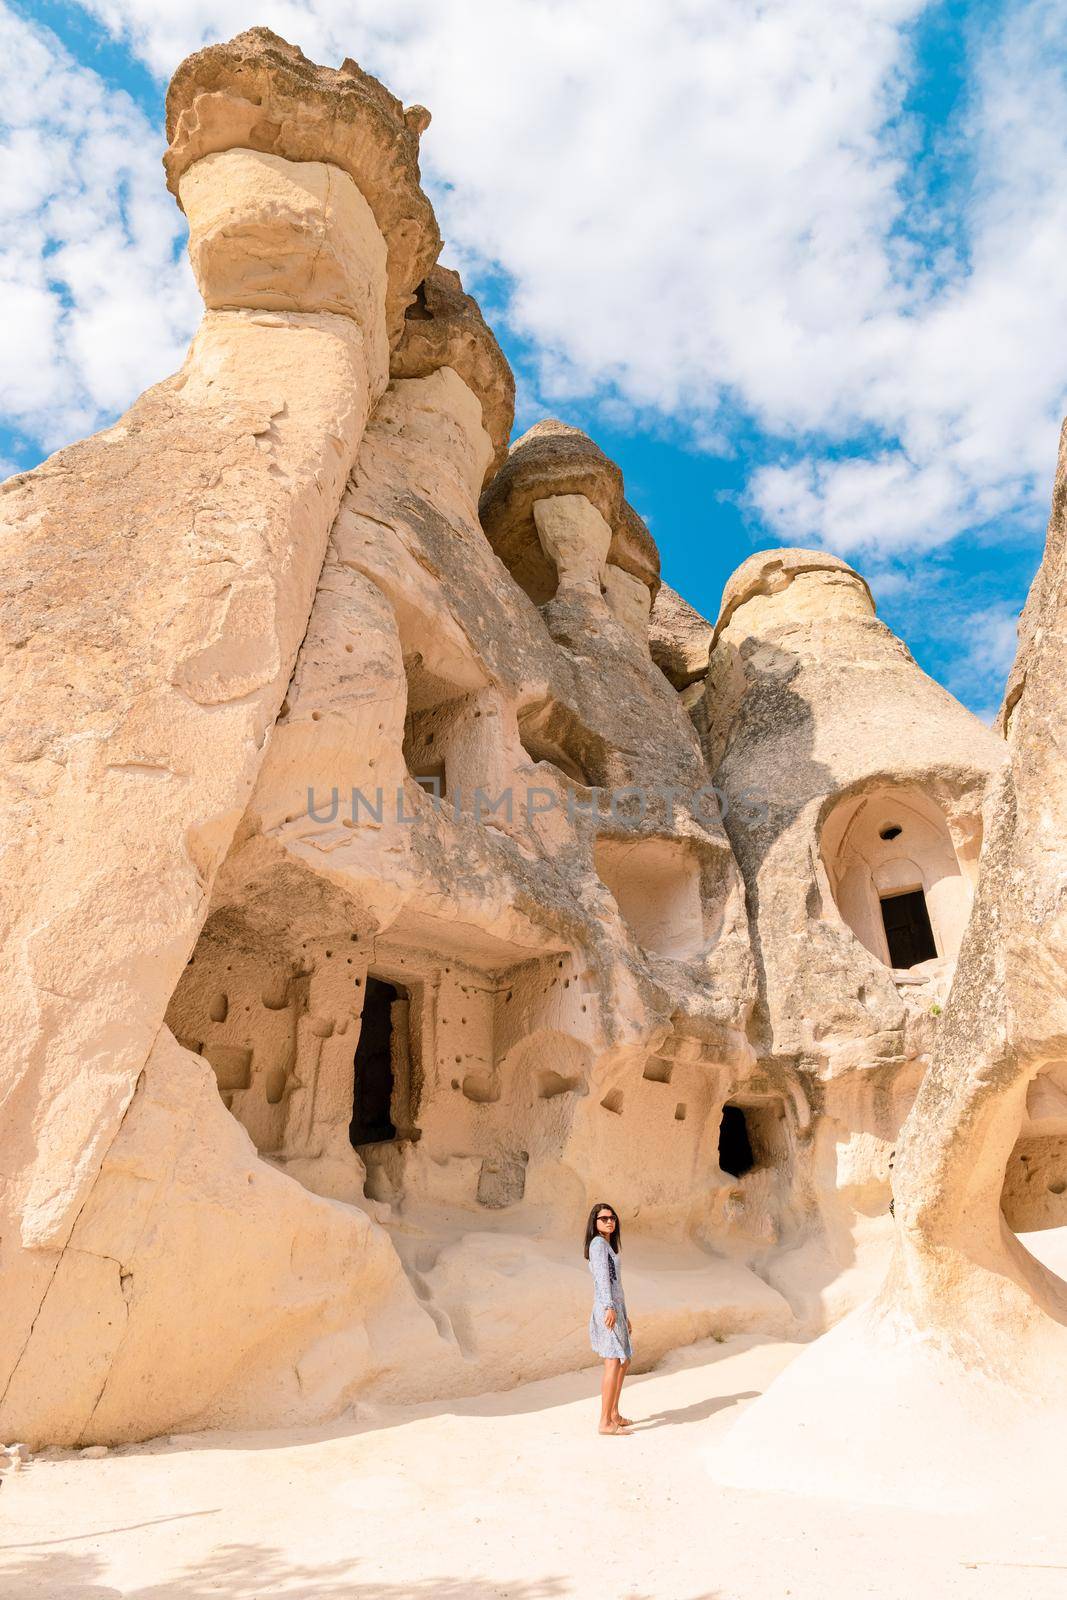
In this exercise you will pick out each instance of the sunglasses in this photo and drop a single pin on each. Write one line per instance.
(607, 1219)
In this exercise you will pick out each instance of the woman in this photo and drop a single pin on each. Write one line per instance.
(609, 1326)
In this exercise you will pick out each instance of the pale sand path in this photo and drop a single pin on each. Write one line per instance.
(509, 1495)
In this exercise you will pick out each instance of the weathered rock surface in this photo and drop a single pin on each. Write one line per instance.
(444, 327)
(159, 581)
(553, 458)
(962, 1353)
(533, 981)
(818, 719)
(370, 911)
(257, 92)
(852, 785)
(679, 638)
(267, 642)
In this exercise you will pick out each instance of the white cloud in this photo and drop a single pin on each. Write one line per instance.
(971, 380)
(700, 207)
(875, 503)
(683, 195)
(95, 304)
(988, 638)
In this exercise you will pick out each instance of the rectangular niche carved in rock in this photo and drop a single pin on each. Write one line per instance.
(381, 1089)
(238, 1005)
(656, 886)
(436, 707)
(425, 739)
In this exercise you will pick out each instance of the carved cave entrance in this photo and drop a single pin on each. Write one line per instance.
(735, 1146)
(752, 1136)
(381, 1080)
(908, 933)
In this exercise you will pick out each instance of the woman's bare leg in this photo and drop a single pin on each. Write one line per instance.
(609, 1389)
(624, 1367)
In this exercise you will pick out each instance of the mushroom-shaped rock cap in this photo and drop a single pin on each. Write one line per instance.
(769, 571)
(553, 458)
(259, 93)
(679, 638)
(444, 327)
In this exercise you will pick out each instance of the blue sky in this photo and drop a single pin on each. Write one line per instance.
(797, 267)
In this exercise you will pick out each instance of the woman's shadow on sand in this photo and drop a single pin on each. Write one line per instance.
(699, 1411)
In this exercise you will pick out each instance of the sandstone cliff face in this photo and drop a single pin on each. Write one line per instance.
(567, 988)
(996, 1095)
(372, 910)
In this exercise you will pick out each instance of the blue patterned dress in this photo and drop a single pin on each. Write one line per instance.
(607, 1286)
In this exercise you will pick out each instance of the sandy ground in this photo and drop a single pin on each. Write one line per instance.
(509, 1495)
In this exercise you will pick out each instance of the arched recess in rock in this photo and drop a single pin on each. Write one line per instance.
(957, 1266)
(1034, 1195)
(898, 880)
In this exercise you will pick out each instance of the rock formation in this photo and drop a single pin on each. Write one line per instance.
(395, 866)
(160, 581)
(853, 788)
(961, 1355)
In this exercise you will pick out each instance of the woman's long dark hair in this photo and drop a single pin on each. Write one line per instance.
(593, 1232)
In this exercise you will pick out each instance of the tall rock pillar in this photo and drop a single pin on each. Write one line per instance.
(849, 778)
(159, 578)
(959, 1362)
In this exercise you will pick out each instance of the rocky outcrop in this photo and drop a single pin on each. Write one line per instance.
(394, 868)
(504, 910)
(679, 638)
(444, 327)
(160, 579)
(853, 788)
(258, 93)
(962, 1353)
(848, 776)
(208, 1216)
(554, 459)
